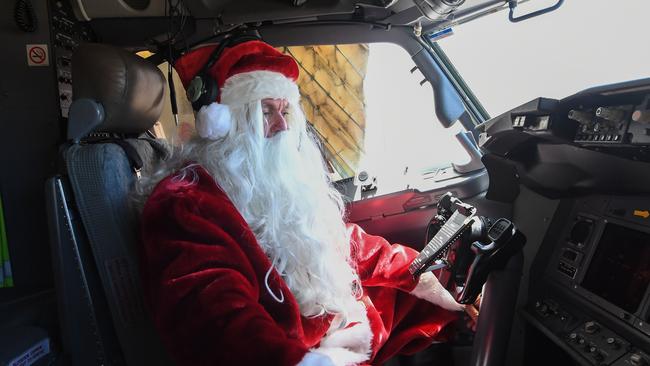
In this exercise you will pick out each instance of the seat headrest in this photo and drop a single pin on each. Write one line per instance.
(130, 89)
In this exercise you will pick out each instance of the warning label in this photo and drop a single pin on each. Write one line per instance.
(37, 55)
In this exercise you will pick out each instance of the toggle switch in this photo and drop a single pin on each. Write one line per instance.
(610, 114)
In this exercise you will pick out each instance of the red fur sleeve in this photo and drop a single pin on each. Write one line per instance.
(379, 263)
(201, 273)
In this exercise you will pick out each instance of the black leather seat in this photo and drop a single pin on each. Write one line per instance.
(117, 97)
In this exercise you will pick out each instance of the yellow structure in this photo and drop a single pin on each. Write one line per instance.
(331, 84)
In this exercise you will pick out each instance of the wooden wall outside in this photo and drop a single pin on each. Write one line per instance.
(331, 84)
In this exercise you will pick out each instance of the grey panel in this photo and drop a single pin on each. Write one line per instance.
(532, 213)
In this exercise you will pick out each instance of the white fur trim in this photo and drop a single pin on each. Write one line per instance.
(352, 345)
(431, 290)
(342, 356)
(316, 359)
(355, 337)
(213, 121)
(246, 87)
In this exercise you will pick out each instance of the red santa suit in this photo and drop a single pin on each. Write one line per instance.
(204, 278)
(215, 296)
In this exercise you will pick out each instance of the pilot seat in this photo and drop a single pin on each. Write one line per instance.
(118, 97)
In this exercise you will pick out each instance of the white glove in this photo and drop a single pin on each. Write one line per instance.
(315, 359)
(430, 289)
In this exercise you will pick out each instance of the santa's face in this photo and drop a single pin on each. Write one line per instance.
(275, 113)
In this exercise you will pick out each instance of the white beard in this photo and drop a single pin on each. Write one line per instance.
(280, 187)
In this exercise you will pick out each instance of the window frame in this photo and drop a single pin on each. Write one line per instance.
(472, 104)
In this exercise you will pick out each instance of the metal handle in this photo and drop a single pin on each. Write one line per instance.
(513, 5)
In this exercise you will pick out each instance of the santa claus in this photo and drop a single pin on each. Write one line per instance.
(246, 257)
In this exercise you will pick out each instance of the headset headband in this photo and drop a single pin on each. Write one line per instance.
(226, 42)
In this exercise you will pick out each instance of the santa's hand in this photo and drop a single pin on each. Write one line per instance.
(472, 310)
(431, 290)
(315, 359)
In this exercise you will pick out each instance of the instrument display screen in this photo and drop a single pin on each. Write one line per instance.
(619, 271)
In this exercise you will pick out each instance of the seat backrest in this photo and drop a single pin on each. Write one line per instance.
(93, 224)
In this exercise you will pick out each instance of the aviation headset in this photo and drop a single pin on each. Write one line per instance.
(203, 89)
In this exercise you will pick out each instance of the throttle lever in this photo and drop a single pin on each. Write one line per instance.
(464, 255)
(505, 241)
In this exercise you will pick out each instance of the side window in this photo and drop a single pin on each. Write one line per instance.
(331, 85)
(166, 127)
(371, 113)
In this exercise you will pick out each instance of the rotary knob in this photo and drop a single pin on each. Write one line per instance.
(592, 348)
(641, 115)
(610, 114)
(573, 337)
(584, 118)
(543, 309)
(591, 327)
(613, 342)
(637, 359)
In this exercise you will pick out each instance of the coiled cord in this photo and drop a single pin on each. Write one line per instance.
(25, 16)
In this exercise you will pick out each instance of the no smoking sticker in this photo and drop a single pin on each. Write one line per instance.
(37, 55)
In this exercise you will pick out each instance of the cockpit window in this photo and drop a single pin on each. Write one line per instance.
(331, 84)
(581, 45)
(165, 127)
(371, 112)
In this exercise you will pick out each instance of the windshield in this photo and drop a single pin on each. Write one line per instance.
(403, 138)
(582, 44)
(371, 111)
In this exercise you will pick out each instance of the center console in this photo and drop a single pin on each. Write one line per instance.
(594, 300)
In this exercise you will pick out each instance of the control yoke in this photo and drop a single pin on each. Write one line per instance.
(459, 231)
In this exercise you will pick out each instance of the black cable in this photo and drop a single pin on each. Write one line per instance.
(176, 12)
(172, 91)
(25, 16)
(172, 10)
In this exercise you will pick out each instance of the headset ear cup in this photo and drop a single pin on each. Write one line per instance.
(211, 91)
(208, 92)
(197, 105)
(197, 87)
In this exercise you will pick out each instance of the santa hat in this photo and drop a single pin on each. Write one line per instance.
(246, 72)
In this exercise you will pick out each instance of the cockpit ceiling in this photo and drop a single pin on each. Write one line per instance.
(237, 11)
(254, 11)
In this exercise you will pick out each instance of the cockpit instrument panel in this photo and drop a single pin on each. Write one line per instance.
(613, 125)
(615, 115)
(594, 298)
